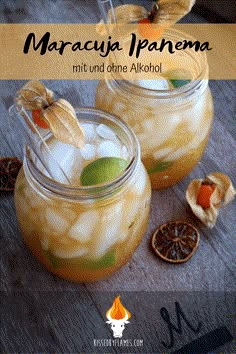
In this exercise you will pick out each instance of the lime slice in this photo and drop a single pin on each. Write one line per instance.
(108, 260)
(54, 261)
(178, 77)
(102, 170)
(160, 167)
(179, 83)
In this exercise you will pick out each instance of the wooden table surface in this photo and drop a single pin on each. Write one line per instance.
(213, 266)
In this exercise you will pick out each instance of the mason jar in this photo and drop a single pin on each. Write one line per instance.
(84, 233)
(172, 122)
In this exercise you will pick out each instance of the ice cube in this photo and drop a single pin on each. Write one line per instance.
(160, 136)
(89, 132)
(131, 211)
(162, 153)
(108, 238)
(32, 198)
(64, 155)
(123, 235)
(108, 149)
(138, 128)
(84, 226)
(149, 124)
(137, 225)
(160, 84)
(70, 252)
(119, 108)
(141, 181)
(105, 132)
(193, 144)
(44, 243)
(196, 113)
(56, 221)
(68, 213)
(109, 232)
(124, 152)
(88, 152)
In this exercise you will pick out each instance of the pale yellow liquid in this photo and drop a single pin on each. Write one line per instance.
(83, 241)
(170, 136)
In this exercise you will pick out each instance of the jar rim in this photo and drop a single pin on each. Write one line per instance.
(195, 84)
(98, 190)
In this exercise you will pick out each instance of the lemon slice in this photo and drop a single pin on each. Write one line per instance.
(102, 170)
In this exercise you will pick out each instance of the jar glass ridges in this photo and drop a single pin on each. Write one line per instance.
(85, 233)
(172, 123)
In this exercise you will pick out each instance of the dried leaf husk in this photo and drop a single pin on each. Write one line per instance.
(61, 117)
(223, 194)
(59, 114)
(168, 12)
(9, 169)
(164, 13)
(129, 13)
(224, 185)
(124, 14)
(34, 95)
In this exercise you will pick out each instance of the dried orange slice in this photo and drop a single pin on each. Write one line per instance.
(9, 168)
(175, 241)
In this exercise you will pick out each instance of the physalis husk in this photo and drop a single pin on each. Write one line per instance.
(164, 13)
(168, 12)
(222, 194)
(59, 114)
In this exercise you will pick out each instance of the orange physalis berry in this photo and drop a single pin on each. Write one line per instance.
(144, 20)
(36, 114)
(149, 30)
(204, 195)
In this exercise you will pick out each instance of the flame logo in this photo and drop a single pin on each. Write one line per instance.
(118, 311)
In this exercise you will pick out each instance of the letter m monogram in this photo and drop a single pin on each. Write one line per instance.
(178, 329)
